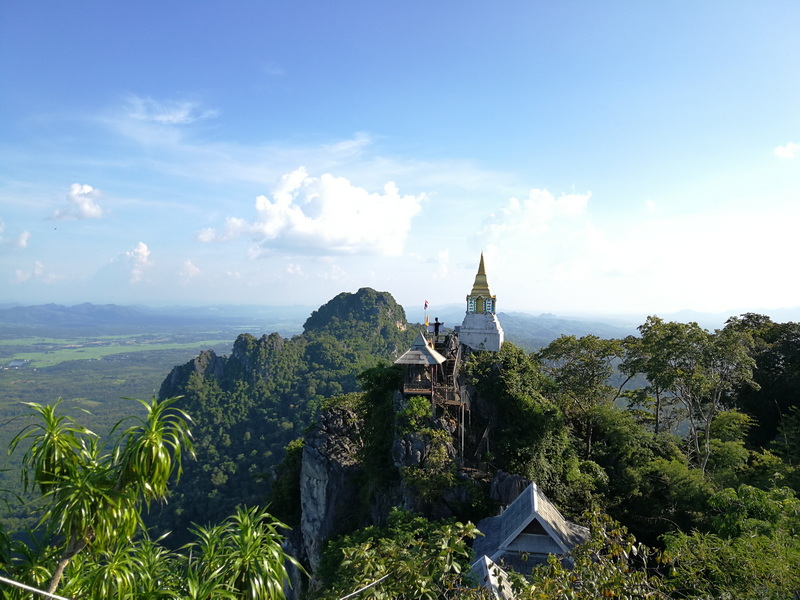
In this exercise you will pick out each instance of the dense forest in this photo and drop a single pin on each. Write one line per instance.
(678, 447)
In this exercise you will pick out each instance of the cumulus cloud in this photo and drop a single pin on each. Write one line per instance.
(19, 241)
(326, 215)
(138, 260)
(36, 273)
(790, 150)
(82, 204)
(535, 214)
(167, 112)
(21, 275)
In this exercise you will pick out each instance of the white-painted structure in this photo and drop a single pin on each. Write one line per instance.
(481, 329)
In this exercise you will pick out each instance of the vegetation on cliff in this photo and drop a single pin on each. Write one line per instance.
(250, 405)
(690, 438)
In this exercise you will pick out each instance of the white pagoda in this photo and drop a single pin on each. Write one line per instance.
(480, 329)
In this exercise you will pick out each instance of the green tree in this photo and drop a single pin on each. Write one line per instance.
(582, 368)
(93, 492)
(612, 564)
(753, 550)
(646, 355)
(777, 374)
(529, 435)
(410, 558)
(699, 369)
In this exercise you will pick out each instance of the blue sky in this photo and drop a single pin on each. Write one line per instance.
(607, 157)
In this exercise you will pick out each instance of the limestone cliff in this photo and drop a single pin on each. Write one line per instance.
(329, 480)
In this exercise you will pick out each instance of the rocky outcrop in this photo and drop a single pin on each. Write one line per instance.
(206, 364)
(329, 480)
(505, 487)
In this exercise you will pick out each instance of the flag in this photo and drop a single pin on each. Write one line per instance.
(426, 305)
(426, 321)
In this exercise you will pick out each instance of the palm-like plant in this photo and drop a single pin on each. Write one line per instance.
(152, 449)
(93, 496)
(246, 552)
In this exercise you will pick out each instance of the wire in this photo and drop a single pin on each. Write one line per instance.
(366, 587)
(31, 589)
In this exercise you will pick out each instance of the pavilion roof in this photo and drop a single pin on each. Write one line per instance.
(421, 353)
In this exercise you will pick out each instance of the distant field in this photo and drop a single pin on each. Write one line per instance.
(48, 352)
(92, 375)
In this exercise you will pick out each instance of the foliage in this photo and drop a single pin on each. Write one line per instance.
(776, 351)
(93, 492)
(528, 433)
(379, 384)
(581, 369)
(752, 552)
(251, 405)
(245, 553)
(417, 557)
(239, 559)
(698, 369)
(612, 564)
(286, 487)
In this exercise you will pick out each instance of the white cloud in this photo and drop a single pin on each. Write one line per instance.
(790, 150)
(189, 270)
(20, 241)
(22, 275)
(167, 112)
(139, 260)
(82, 205)
(37, 273)
(326, 215)
(294, 269)
(536, 214)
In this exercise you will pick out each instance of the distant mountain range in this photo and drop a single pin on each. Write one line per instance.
(524, 329)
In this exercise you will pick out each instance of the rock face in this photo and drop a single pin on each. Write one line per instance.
(328, 480)
(505, 487)
(206, 364)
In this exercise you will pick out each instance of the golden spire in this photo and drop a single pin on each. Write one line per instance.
(481, 286)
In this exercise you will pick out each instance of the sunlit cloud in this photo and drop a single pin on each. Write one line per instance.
(81, 204)
(138, 259)
(325, 215)
(536, 214)
(787, 151)
(15, 242)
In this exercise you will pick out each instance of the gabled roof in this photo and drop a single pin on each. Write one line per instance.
(531, 525)
(421, 353)
(491, 577)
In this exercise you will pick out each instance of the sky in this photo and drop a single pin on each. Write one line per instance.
(606, 157)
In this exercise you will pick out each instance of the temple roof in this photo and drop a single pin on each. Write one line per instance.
(504, 535)
(481, 286)
(421, 353)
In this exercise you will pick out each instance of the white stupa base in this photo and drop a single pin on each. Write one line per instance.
(481, 331)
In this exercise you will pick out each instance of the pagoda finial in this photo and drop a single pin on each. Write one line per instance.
(481, 285)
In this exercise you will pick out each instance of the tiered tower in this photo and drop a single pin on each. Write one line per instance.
(481, 330)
